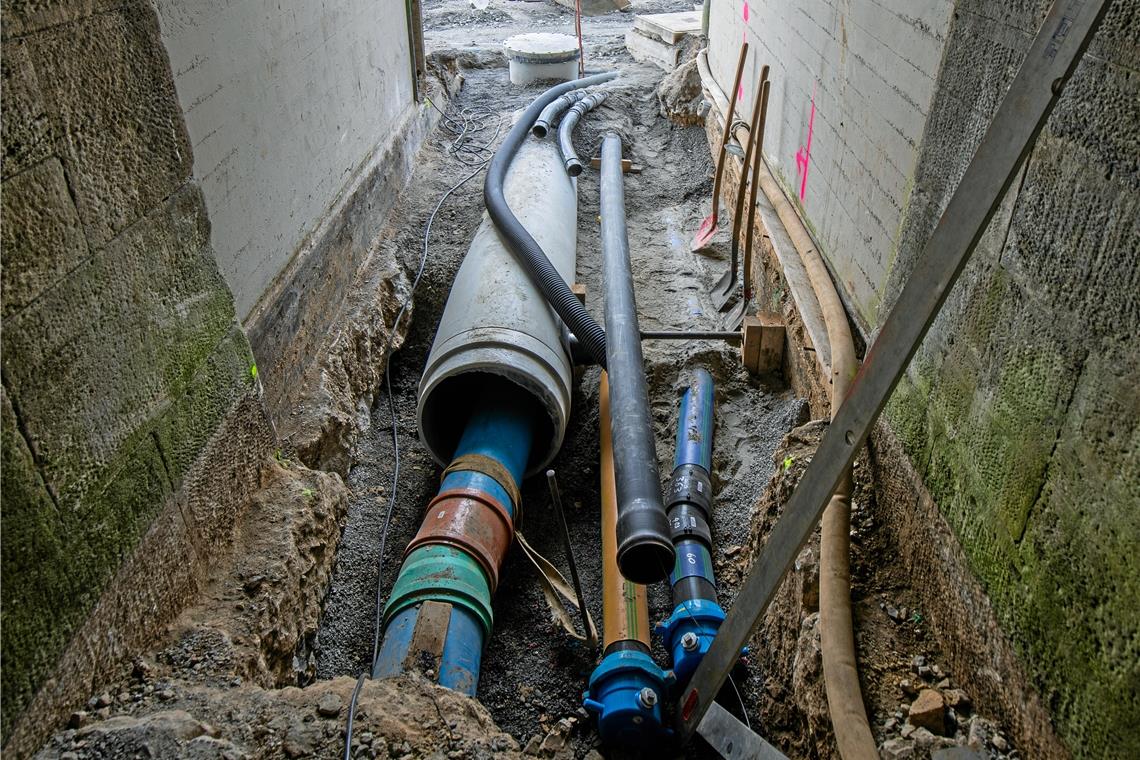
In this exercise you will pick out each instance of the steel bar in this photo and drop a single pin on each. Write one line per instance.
(728, 335)
(1050, 62)
(734, 740)
(556, 498)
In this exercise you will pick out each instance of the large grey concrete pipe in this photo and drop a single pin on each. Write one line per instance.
(496, 326)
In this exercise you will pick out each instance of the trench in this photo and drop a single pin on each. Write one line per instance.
(533, 674)
(237, 655)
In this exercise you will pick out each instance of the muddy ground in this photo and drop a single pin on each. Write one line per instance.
(264, 666)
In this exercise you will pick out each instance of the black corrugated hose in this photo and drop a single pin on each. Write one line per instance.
(529, 254)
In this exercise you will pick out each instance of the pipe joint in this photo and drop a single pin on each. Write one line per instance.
(619, 695)
(687, 521)
(446, 574)
(471, 521)
(689, 632)
(691, 484)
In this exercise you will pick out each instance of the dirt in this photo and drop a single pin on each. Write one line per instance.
(265, 663)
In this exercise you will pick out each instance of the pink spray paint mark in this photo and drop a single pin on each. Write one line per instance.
(745, 12)
(803, 155)
(740, 92)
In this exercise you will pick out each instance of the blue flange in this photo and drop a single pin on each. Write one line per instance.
(701, 618)
(626, 692)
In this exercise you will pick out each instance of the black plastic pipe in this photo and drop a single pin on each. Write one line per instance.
(570, 121)
(549, 114)
(528, 252)
(645, 552)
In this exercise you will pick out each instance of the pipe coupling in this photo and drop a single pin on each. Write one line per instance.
(470, 520)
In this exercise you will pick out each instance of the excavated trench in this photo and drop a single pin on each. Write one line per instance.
(226, 683)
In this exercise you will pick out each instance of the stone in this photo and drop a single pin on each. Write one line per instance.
(922, 738)
(907, 730)
(999, 743)
(917, 662)
(908, 688)
(329, 705)
(956, 753)
(126, 148)
(103, 700)
(944, 683)
(957, 699)
(896, 749)
(24, 124)
(928, 711)
(41, 234)
(889, 724)
(299, 741)
(78, 719)
(532, 745)
(593, 755)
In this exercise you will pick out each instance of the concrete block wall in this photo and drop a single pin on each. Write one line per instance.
(1021, 412)
(852, 82)
(303, 126)
(123, 363)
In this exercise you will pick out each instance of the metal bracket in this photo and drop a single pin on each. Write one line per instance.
(1053, 56)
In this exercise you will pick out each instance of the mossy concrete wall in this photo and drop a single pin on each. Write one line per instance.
(131, 415)
(1021, 411)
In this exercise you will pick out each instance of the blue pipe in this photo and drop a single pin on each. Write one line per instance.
(501, 429)
(697, 615)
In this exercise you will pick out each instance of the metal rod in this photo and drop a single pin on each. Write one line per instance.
(1050, 62)
(556, 497)
(729, 335)
(644, 550)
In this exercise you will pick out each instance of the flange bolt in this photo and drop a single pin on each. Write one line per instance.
(647, 698)
(689, 641)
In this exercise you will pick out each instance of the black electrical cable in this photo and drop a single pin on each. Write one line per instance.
(462, 136)
(524, 247)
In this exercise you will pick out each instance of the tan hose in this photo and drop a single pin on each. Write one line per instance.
(625, 611)
(837, 637)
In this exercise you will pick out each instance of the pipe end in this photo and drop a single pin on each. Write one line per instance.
(574, 167)
(538, 130)
(646, 557)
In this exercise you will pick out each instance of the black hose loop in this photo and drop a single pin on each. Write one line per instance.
(524, 247)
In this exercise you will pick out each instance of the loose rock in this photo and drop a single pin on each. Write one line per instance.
(928, 711)
(329, 705)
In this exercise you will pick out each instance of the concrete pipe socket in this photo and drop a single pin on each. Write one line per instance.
(497, 330)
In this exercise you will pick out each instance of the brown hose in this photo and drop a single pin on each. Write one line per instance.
(625, 611)
(837, 637)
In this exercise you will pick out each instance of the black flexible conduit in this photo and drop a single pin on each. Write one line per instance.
(550, 114)
(529, 254)
(570, 158)
(645, 552)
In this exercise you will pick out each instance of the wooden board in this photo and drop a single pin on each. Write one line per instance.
(669, 27)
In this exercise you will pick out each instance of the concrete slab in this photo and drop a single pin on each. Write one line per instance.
(652, 50)
(669, 27)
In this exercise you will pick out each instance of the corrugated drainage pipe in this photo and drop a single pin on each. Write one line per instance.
(550, 114)
(566, 129)
(837, 636)
(690, 629)
(645, 552)
(522, 244)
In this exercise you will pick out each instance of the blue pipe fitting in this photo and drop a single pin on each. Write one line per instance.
(689, 632)
(626, 693)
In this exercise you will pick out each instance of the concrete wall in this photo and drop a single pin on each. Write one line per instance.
(1021, 412)
(286, 104)
(852, 82)
(123, 364)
